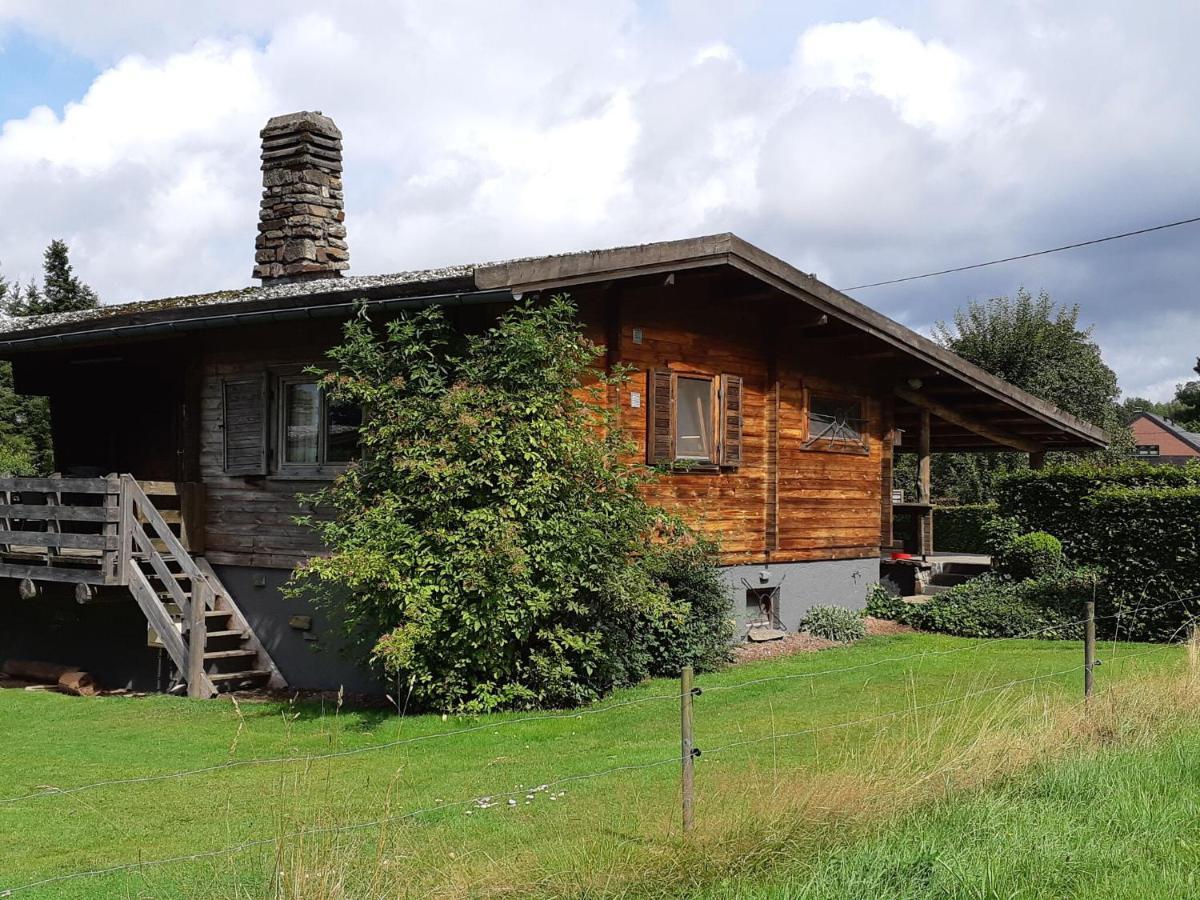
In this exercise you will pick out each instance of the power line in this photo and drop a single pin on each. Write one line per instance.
(996, 262)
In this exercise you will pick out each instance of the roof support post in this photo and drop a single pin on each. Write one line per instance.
(1037, 460)
(924, 521)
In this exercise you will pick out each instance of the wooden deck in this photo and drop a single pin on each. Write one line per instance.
(116, 531)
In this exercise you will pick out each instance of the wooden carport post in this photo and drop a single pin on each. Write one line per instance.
(1037, 459)
(924, 488)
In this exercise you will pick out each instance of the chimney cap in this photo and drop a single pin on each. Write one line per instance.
(304, 120)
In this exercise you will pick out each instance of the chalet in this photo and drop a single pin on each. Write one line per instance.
(185, 428)
(1157, 439)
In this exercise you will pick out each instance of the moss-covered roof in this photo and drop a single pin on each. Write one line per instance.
(274, 294)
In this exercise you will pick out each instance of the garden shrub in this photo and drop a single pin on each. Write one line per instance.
(1148, 541)
(883, 604)
(990, 606)
(960, 529)
(1054, 499)
(835, 623)
(492, 547)
(1031, 556)
(1138, 523)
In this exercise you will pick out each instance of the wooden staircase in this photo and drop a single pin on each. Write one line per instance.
(191, 611)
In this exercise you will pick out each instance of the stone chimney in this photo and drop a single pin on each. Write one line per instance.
(301, 235)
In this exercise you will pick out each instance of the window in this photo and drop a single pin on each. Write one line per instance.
(694, 420)
(1146, 450)
(835, 423)
(314, 432)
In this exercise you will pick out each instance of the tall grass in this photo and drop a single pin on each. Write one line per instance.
(758, 814)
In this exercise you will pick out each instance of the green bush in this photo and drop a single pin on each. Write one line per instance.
(883, 604)
(835, 623)
(1054, 499)
(492, 547)
(1138, 523)
(990, 606)
(1148, 541)
(960, 529)
(1031, 556)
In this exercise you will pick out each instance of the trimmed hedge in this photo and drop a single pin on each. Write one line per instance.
(1139, 523)
(959, 529)
(1054, 499)
(1148, 541)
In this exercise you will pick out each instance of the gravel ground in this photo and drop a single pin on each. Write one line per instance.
(802, 642)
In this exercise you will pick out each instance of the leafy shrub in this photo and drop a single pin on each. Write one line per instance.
(1148, 541)
(1138, 523)
(990, 606)
(1054, 499)
(960, 529)
(835, 623)
(883, 604)
(493, 547)
(1031, 556)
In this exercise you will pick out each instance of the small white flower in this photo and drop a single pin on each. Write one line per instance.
(512, 802)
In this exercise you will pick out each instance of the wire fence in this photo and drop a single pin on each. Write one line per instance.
(686, 758)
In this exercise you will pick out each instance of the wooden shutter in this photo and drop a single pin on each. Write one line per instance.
(731, 420)
(660, 425)
(245, 421)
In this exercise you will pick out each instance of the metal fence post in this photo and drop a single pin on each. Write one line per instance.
(687, 747)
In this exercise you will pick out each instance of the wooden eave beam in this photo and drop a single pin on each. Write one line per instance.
(953, 416)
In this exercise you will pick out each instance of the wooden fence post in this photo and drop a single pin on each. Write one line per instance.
(197, 638)
(1089, 650)
(687, 747)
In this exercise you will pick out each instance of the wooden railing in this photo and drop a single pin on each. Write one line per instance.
(61, 529)
(67, 529)
(147, 537)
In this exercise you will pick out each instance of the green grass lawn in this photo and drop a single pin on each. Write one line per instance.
(766, 779)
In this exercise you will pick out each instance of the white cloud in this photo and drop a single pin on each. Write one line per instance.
(473, 131)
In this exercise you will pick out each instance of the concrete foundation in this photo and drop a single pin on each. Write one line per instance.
(310, 659)
(794, 588)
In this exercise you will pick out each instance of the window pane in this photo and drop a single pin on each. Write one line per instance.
(302, 421)
(342, 424)
(834, 421)
(693, 419)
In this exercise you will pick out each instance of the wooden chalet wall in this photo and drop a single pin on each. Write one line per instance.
(250, 519)
(784, 503)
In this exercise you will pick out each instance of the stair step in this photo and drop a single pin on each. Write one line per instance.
(216, 613)
(250, 675)
(229, 654)
(226, 634)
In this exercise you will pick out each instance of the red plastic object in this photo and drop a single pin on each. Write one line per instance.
(899, 555)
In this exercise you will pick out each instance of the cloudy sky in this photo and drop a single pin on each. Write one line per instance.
(859, 141)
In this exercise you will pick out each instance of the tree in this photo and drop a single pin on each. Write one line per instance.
(1037, 345)
(26, 446)
(61, 289)
(492, 548)
(1186, 404)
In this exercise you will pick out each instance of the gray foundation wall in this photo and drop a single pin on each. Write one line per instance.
(309, 660)
(836, 582)
(109, 638)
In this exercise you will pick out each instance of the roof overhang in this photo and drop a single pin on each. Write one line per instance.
(974, 410)
(1001, 416)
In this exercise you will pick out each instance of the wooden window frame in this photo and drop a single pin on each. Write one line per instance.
(282, 469)
(714, 420)
(726, 425)
(860, 447)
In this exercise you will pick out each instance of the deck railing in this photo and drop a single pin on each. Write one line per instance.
(68, 529)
